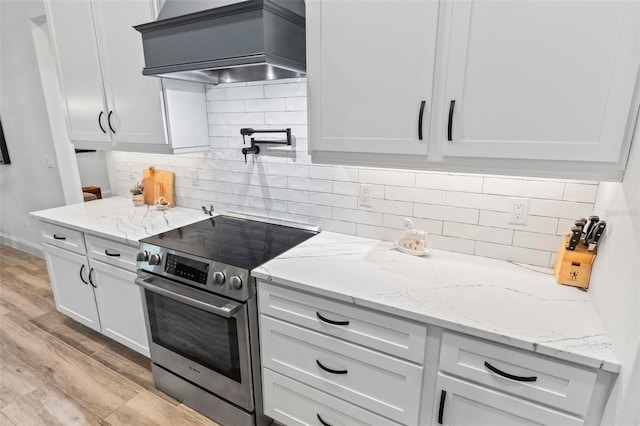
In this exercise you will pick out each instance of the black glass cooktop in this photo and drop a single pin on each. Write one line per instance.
(235, 241)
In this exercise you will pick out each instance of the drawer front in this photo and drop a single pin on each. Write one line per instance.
(404, 339)
(59, 236)
(112, 253)
(293, 403)
(556, 383)
(383, 384)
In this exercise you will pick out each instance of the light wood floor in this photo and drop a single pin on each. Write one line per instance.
(54, 371)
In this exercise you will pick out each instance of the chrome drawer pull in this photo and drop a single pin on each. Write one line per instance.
(510, 376)
(328, 321)
(322, 420)
(330, 370)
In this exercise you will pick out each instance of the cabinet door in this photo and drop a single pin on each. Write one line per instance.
(463, 403)
(120, 305)
(73, 35)
(370, 66)
(69, 274)
(545, 80)
(135, 101)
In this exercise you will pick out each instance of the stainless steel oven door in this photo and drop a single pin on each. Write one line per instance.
(199, 336)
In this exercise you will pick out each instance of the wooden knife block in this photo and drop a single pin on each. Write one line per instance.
(573, 267)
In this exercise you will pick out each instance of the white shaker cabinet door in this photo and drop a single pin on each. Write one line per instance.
(72, 290)
(135, 102)
(370, 68)
(72, 32)
(539, 80)
(462, 403)
(120, 305)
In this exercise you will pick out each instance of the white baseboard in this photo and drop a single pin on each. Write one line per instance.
(20, 244)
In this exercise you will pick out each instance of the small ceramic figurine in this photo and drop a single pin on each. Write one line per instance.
(413, 241)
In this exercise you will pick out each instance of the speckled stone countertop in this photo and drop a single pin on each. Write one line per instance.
(118, 219)
(521, 306)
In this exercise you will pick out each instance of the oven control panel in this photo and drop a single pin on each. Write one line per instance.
(189, 269)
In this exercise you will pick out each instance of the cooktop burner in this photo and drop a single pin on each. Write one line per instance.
(239, 242)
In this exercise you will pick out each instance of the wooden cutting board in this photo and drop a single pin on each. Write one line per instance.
(158, 183)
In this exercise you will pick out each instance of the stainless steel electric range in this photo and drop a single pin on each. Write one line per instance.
(201, 311)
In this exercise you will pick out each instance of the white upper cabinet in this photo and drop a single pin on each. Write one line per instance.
(109, 103)
(540, 80)
(370, 71)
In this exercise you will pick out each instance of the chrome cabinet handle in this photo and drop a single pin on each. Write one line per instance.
(510, 376)
(422, 104)
(111, 254)
(90, 280)
(55, 237)
(443, 396)
(328, 321)
(81, 278)
(452, 105)
(109, 122)
(330, 370)
(100, 122)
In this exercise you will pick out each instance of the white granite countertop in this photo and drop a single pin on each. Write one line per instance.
(118, 219)
(518, 305)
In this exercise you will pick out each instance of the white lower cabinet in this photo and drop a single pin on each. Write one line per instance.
(464, 403)
(97, 288)
(120, 306)
(69, 275)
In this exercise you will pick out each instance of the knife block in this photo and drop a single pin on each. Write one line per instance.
(573, 267)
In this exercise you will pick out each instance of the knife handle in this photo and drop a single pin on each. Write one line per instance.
(592, 221)
(574, 239)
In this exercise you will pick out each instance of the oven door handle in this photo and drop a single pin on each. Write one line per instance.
(226, 311)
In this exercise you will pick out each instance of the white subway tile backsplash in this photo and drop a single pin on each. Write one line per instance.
(464, 183)
(264, 105)
(537, 241)
(561, 209)
(248, 92)
(478, 233)
(358, 216)
(333, 200)
(290, 90)
(524, 188)
(544, 225)
(580, 192)
(477, 201)
(417, 195)
(387, 177)
(452, 214)
(461, 212)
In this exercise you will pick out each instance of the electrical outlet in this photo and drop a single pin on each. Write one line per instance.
(518, 208)
(50, 162)
(193, 175)
(365, 195)
(131, 171)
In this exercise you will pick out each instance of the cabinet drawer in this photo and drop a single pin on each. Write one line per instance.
(62, 237)
(112, 253)
(293, 403)
(381, 332)
(380, 383)
(556, 383)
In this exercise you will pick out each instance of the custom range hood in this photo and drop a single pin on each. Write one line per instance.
(218, 41)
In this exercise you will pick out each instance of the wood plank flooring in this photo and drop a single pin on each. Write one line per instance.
(55, 371)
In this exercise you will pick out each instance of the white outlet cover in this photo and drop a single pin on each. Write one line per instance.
(518, 210)
(365, 195)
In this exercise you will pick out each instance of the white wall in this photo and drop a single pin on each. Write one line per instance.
(615, 284)
(463, 213)
(93, 170)
(27, 184)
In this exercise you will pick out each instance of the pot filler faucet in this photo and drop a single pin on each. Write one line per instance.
(254, 148)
